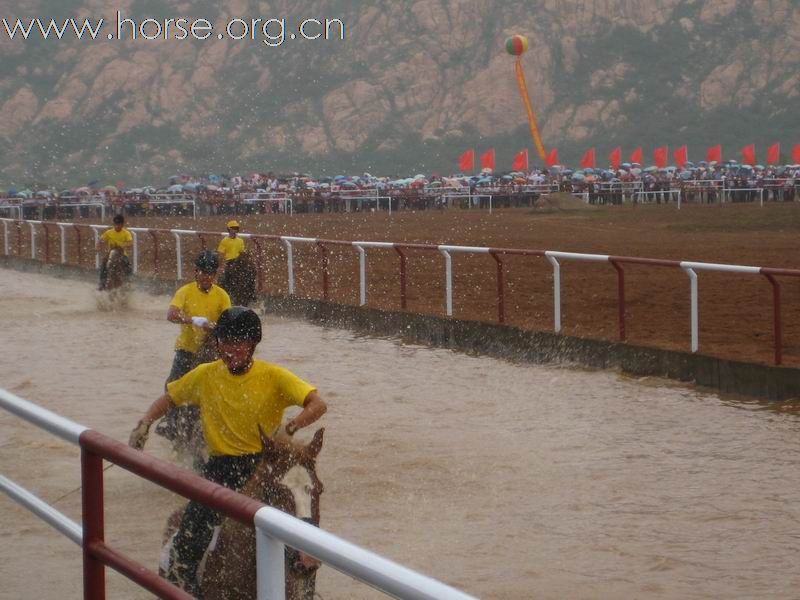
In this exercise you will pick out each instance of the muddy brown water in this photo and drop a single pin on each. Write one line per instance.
(505, 480)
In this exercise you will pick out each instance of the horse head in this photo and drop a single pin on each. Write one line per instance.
(287, 476)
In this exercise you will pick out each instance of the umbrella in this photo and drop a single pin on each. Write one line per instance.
(110, 189)
(174, 189)
(651, 169)
(578, 177)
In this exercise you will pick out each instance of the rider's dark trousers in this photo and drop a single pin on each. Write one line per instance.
(197, 526)
(183, 362)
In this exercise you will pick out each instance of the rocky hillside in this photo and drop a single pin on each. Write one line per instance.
(413, 83)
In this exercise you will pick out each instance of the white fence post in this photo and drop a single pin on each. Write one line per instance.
(290, 265)
(32, 224)
(695, 310)
(135, 251)
(179, 264)
(362, 274)
(96, 241)
(556, 292)
(270, 567)
(448, 269)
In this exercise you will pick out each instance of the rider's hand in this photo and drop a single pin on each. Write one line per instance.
(201, 322)
(139, 435)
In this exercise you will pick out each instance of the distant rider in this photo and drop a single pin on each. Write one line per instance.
(229, 249)
(119, 238)
(196, 307)
(239, 397)
(231, 245)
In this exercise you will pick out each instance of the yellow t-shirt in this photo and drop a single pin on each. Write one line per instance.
(196, 303)
(119, 238)
(233, 407)
(231, 247)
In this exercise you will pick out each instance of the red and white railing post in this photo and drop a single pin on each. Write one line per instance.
(154, 237)
(620, 297)
(403, 277)
(94, 578)
(501, 301)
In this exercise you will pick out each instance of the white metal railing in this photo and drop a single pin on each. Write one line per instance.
(361, 247)
(274, 529)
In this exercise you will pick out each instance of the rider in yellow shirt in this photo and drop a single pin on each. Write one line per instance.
(196, 307)
(118, 237)
(238, 397)
(231, 246)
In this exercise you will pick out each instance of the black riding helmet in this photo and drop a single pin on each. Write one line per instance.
(238, 324)
(207, 262)
(119, 220)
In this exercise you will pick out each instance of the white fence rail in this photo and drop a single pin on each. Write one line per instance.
(445, 250)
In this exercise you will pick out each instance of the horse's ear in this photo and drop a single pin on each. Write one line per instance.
(316, 443)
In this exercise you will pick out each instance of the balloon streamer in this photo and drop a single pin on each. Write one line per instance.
(523, 90)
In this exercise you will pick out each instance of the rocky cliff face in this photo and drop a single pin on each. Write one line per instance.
(413, 83)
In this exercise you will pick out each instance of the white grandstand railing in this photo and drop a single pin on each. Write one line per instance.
(274, 529)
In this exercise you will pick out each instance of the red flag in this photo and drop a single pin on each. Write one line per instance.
(552, 158)
(467, 161)
(714, 153)
(749, 154)
(661, 156)
(681, 156)
(796, 154)
(636, 156)
(774, 154)
(588, 160)
(487, 160)
(520, 161)
(615, 157)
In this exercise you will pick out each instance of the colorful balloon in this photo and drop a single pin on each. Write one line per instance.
(517, 45)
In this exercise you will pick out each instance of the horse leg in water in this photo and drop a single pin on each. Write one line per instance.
(103, 273)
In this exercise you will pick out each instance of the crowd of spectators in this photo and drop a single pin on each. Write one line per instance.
(267, 192)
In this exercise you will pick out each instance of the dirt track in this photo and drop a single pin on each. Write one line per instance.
(735, 310)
